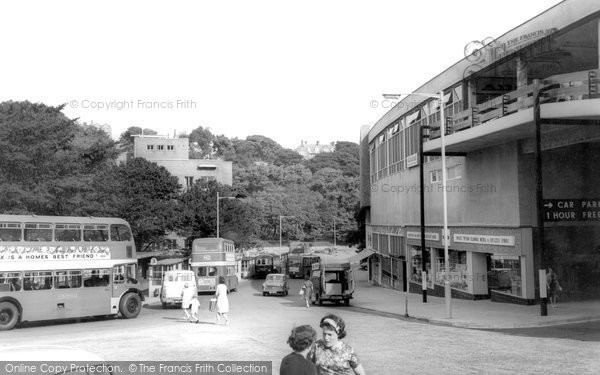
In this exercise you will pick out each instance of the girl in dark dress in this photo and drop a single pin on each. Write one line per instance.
(301, 340)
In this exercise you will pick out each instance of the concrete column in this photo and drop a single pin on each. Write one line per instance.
(380, 269)
(521, 74)
(527, 266)
(477, 266)
(471, 97)
(433, 259)
(521, 71)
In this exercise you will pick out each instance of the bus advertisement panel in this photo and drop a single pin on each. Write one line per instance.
(54, 267)
(212, 258)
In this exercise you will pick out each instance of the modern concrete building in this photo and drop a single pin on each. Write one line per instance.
(502, 227)
(173, 154)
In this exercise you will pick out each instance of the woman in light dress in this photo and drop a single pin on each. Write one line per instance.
(222, 301)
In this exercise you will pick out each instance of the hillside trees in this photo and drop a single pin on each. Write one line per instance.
(51, 165)
(238, 221)
(140, 192)
(46, 159)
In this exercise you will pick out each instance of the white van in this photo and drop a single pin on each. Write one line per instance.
(172, 285)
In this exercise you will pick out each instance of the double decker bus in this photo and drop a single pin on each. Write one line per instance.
(54, 267)
(211, 258)
(295, 265)
(265, 264)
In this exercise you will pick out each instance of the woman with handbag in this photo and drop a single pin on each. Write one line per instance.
(222, 301)
(307, 290)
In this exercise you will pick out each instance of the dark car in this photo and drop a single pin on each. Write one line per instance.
(275, 283)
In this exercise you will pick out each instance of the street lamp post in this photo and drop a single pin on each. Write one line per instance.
(445, 237)
(281, 228)
(334, 236)
(218, 199)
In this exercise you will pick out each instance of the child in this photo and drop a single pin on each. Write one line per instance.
(194, 310)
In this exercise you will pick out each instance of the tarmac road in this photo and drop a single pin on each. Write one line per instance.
(260, 326)
(588, 331)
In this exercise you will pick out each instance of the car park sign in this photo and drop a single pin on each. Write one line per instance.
(572, 209)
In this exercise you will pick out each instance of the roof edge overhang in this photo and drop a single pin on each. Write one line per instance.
(557, 17)
(512, 127)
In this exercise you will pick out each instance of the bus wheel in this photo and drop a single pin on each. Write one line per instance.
(130, 305)
(9, 316)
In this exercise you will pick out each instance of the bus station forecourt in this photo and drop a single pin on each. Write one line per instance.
(466, 314)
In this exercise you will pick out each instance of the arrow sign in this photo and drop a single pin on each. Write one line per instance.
(572, 209)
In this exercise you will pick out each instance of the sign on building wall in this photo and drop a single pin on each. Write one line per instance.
(412, 160)
(485, 240)
(572, 209)
(428, 236)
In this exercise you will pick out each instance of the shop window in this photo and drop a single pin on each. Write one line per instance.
(458, 275)
(505, 274)
(416, 265)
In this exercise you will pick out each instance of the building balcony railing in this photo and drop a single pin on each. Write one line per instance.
(563, 87)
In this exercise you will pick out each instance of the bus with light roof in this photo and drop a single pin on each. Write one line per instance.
(59, 267)
(211, 258)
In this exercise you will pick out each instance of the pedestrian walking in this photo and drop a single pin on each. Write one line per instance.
(186, 300)
(330, 354)
(295, 363)
(222, 301)
(308, 290)
(195, 306)
(553, 286)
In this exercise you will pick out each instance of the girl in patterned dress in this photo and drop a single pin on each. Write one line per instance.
(330, 354)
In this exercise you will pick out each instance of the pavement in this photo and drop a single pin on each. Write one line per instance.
(482, 314)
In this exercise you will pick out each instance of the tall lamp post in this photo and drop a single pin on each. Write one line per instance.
(218, 199)
(281, 228)
(334, 236)
(445, 237)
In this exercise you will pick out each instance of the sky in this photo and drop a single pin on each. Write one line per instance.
(288, 70)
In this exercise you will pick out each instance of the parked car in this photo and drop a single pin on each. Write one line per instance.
(172, 286)
(275, 283)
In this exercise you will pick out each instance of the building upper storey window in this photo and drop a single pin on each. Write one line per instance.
(150, 147)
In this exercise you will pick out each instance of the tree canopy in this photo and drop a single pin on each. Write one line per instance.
(52, 165)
